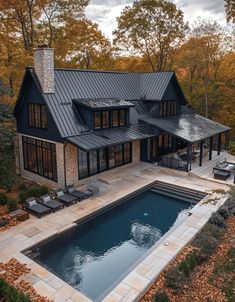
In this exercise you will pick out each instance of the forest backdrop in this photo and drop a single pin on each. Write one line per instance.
(151, 35)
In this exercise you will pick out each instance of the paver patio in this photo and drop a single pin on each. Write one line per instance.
(115, 186)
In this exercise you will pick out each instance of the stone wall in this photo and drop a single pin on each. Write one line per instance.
(71, 162)
(135, 152)
(71, 156)
(44, 68)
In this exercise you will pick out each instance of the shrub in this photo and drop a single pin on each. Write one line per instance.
(185, 268)
(12, 205)
(10, 294)
(224, 212)
(207, 245)
(218, 220)
(22, 187)
(161, 297)
(192, 260)
(3, 198)
(175, 279)
(33, 191)
(212, 230)
(3, 222)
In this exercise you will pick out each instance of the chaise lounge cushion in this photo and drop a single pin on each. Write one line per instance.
(51, 203)
(32, 205)
(65, 197)
(80, 195)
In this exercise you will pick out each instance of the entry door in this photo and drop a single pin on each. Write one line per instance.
(149, 150)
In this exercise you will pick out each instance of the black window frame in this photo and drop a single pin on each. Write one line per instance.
(37, 116)
(107, 154)
(47, 152)
(101, 112)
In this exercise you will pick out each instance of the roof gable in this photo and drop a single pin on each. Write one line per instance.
(73, 84)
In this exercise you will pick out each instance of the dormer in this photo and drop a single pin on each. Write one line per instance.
(103, 113)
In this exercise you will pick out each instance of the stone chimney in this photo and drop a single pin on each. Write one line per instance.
(44, 68)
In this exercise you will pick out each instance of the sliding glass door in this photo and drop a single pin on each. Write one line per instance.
(97, 161)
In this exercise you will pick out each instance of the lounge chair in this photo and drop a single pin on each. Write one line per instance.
(50, 203)
(80, 195)
(65, 198)
(33, 206)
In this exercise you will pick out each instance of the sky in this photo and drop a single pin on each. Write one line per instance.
(104, 12)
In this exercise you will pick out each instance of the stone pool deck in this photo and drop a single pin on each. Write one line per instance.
(114, 187)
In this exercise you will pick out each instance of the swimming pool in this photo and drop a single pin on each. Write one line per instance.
(96, 254)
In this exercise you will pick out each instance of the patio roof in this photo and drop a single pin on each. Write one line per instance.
(112, 136)
(189, 127)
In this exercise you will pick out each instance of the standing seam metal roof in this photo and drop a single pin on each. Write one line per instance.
(79, 84)
(189, 127)
(112, 136)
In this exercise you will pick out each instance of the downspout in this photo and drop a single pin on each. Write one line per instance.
(65, 174)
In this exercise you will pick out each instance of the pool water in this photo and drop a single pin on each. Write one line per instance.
(93, 256)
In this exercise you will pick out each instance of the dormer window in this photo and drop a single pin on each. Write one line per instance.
(104, 113)
(168, 108)
(101, 119)
(97, 119)
(119, 117)
(37, 116)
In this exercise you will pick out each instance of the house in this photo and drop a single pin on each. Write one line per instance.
(73, 124)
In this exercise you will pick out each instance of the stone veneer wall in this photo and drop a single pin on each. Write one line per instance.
(44, 68)
(35, 177)
(71, 156)
(135, 152)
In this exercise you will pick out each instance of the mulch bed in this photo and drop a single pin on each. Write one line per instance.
(199, 288)
(11, 271)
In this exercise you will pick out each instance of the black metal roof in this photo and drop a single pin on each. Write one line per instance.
(73, 84)
(107, 137)
(189, 127)
(103, 103)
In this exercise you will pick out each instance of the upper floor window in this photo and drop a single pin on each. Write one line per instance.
(168, 108)
(118, 117)
(101, 119)
(37, 116)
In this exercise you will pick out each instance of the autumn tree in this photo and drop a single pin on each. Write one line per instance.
(84, 45)
(200, 57)
(55, 13)
(152, 28)
(24, 13)
(230, 10)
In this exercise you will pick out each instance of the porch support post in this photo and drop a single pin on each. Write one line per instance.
(227, 140)
(219, 144)
(201, 153)
(189, 157)
(211, 147)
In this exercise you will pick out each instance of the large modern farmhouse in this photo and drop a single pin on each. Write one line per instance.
(73, 124)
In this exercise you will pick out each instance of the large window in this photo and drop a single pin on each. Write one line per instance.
(168, 108)
(118, 118)
(40, 157)
(101, 119)
(97, 119)
(37, 116)
(96, 161)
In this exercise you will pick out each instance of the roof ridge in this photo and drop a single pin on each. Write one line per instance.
(108, 71)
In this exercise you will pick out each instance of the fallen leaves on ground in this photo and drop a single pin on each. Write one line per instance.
(199, 288)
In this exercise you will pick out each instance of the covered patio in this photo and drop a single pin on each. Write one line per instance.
(193, 138)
